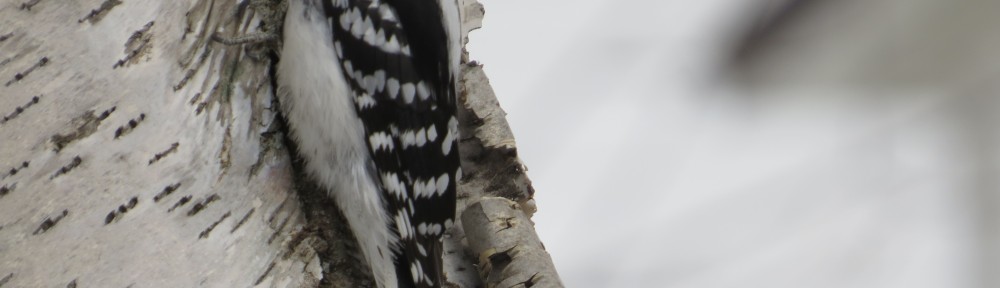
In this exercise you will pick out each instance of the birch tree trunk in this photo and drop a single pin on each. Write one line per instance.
(136, 152)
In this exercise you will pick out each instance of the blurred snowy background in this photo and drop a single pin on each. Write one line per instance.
(724, 143)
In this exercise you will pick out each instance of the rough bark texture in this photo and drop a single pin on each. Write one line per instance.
(139, 153)
(510, 253)
(135, 151)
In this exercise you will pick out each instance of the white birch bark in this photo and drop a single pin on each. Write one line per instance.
(136, 152)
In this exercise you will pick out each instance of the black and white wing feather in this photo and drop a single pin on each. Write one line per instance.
(399, 58)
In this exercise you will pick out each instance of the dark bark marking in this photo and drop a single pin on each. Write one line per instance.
(69, 167)
(49, 223)
(138, 45)
(158, 156)
(11, 275)
(262, 276)
(242, 220)
(166, 191)
(22, 74)
(204, 233)
(99, 13)
(20, 109)
(190, 72)
(5, 189)
(86, 125)
(15, 169)
(201, 205)
(29, 4)
(128, 127)
(181, 202)
(116, 215)
(279, 229)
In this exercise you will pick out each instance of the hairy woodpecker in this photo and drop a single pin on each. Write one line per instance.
(369, 90)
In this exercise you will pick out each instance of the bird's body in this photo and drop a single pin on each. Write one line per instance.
(372, 109)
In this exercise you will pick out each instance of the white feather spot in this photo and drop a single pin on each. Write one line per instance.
(408, 139)
(408, 91)
(416, 271)
(379, 80)
(369, 35)
(369, 84)
(380, 140)
(423, 91)
(365, 101)
(356, 23)
(393, 130)
(422, 250)
(392, 87)
(451, 136)
(418, 188)
(432, 133)
(379, 38)
(424, 189)
(392, 183)
(387, 13)
(391, 46)
(403, 225)
(345, 20)
(359, 26)
(422, 228)
(348, 66)
(421, 138)
(442, 183)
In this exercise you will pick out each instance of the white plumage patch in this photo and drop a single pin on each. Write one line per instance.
(381, 141)
(408, 90)
(320, 108)
(368, 101)
(450, 137)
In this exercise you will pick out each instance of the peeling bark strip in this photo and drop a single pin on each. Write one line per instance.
(20, 109)
(69, 167)
(166, 191)
(201, 205)
(190, 72)
(158, 156)
(138, 45)
(225, 153)
(4, 37)
(22, 74)
(510, 253)
(98, 14)
(204, 233)
(49, 223)
(86, 125)
(115, 215)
